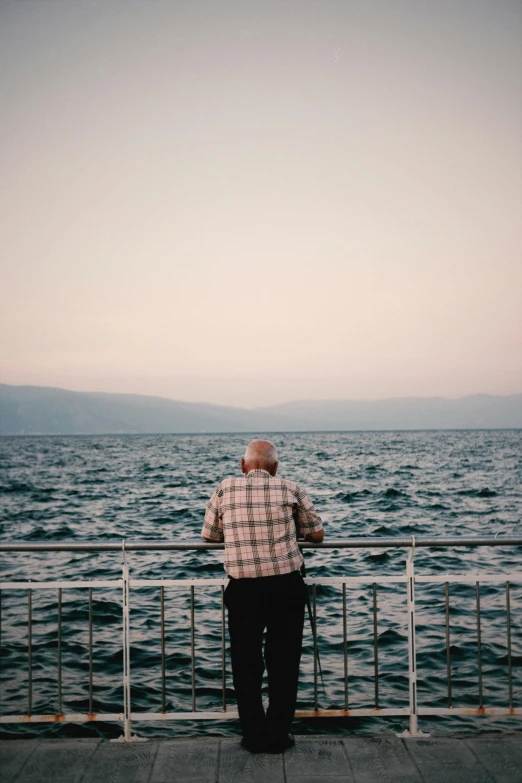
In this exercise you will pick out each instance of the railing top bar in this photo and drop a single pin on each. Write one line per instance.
(343, 543)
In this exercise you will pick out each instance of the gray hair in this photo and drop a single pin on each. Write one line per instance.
(261, 450)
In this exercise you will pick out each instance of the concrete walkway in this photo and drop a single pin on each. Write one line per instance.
(378, 759)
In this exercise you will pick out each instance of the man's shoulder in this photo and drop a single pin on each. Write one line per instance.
(292, 486)
(231, 481)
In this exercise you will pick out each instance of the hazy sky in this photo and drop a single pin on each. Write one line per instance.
(250, 202)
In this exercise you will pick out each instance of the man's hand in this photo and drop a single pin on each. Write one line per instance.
(213, 540)
(315, 538)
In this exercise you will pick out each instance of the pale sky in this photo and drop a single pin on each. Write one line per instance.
(252, 202)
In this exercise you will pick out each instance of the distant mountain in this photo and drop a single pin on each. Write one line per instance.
(478, 411)
(40, 410)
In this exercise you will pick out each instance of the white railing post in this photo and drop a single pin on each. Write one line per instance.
(126, 646)
(127, 736)
(412, 657)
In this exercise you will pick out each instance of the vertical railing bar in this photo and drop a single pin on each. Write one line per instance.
(223, 651)
(314, 633)
(479, 644)
(124, 643)
(162, 623)
(508, 621)
(59, 645)
(412, 664)
(192, 649)
(0, 631)
(345, 649)
(375, 647)
(90, 649)
(126, 646)
(30, 650)
(448, 653)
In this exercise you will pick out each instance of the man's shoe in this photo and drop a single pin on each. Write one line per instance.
(280, 745)
(254, 746)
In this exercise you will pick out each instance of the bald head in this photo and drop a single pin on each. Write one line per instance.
(260, 455)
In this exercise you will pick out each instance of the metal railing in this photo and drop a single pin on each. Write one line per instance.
(126, 584)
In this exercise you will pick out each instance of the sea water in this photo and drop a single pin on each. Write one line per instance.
(98, 488)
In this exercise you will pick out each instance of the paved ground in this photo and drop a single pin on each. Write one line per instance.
(380, 759)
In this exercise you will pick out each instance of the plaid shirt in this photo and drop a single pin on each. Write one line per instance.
(256, 517)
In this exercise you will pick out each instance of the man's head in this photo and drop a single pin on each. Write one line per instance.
(261, 455)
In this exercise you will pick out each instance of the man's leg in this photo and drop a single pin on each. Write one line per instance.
(246, 623)
(283, 654)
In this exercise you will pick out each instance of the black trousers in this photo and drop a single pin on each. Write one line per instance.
(277, 604)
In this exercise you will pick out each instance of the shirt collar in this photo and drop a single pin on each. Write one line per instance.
(258, 472)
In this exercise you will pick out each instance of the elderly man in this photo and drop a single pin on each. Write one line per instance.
(259, 517)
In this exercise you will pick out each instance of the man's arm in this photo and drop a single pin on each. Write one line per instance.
(308, 522)
(212, 531)
(316, 537)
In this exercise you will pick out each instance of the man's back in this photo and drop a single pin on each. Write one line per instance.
(256, 516)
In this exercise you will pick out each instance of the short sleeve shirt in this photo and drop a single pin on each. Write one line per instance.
(256, 516)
